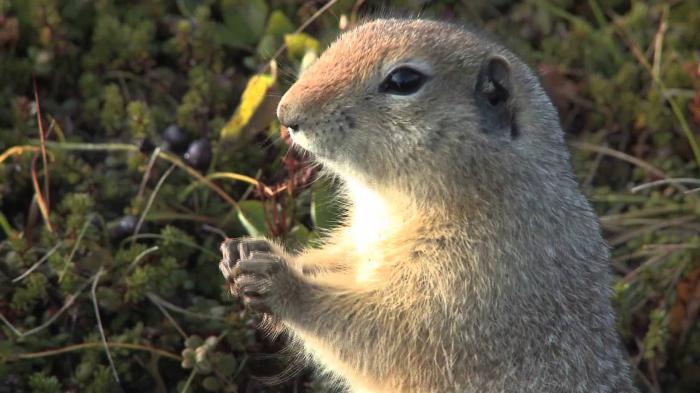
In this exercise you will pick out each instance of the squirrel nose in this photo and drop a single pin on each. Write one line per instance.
(288, 117)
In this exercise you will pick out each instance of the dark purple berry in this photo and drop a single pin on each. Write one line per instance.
(199, 154)
(176, 140)
(146, 146)
(124, 227)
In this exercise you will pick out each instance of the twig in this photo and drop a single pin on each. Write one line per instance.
(621, 156)
(97, 344)
(650, 228)
(88, 221)
(164, 155)
(189, 380)
(659, 42)
(70, 299)
(38, 263)
(43, 205)
(678, 180)
(141, 256)
(233, 176)
(147, 173)
(42, 138)
(213, 229)
(99, 324)
(16, 150)
(152, 198)
(181, 310)
(157, 236)
(167, 315)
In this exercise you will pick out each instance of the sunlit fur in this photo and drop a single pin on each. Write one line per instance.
(469, 261)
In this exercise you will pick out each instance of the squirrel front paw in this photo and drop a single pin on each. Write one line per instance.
(258, 274)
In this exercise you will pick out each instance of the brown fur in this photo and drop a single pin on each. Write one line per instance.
(470, 260)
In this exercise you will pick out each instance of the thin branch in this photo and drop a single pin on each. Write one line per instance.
(167, 315)
(621, 156)
(152, 198)
(141, 255)
(157, 299)
(147, 172)
(88, 221)
(99, 324)
(42, 138)
(40, 200)
(163, 154)
(17, 150)
(659, 42)
(193, 373)
(678, 180)
(38, 263)
(157, 236)
(70, 299)
(97, 344)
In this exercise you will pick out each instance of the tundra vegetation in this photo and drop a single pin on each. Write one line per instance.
(134, 135)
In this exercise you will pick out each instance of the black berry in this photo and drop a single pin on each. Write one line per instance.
(176, 139)
(199, 154)
(146, 146)
(125, 227)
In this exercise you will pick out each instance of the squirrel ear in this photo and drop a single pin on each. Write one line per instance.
(494, 95)
(494, 81)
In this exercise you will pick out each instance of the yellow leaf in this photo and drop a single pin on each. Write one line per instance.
(298, 44)
(253, 96)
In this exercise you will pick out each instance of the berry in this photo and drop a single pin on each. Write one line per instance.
(125, 227)
(176, 140)
(199, 154)
(146, 146)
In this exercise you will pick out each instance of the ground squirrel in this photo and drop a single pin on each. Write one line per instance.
(470, 260)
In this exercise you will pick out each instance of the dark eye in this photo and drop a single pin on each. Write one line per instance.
(402, 81)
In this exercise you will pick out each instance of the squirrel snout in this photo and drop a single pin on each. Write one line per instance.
(288, 117)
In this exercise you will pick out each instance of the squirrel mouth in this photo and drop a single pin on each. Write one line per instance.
(299, 138)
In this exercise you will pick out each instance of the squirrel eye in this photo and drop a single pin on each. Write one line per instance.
(402, 81)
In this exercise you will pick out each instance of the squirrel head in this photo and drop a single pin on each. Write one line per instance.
(400, 99)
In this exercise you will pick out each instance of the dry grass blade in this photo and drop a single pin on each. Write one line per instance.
(675, 107)
(38, 263)
(621, 156)
(43, 205)
(92, 345)
(152, 198)
(70, 299)
(99, 323)
(44, 200)
(680, 180)
(169, 317)
(17, 150)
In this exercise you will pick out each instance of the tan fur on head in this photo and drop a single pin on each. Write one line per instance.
(470, 260)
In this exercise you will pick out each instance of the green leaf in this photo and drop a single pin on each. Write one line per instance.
(326, 210)
(300, 43)
(245, 19)
(252, 217)
(299, 236)
(267, 46)
(278, 25)
(252, 99)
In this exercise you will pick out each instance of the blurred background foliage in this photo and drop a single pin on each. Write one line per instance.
(135, 134)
